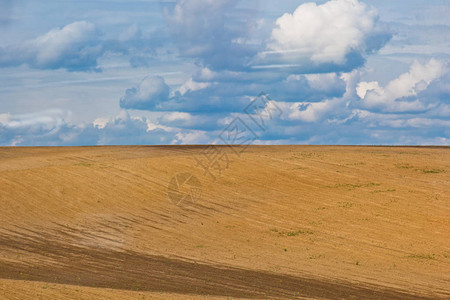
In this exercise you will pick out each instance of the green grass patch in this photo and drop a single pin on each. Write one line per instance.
(350, 186)
(321, 208)
(384, 191)
(425, 170)
(422, 256)
(345, 204)
(292, 233)
(431, 171)
(355, 164)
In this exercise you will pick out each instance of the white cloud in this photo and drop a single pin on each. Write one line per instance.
(36, 127)
(325, 82)
(49, 120)
(408, 84)
(192, 137)
(192, 86)
(100, 122)
(312, 112)
(206, 74)
(52, 128)
(325, 33)
(175, 116)
(57, 43)
(377, 120)
(75, 47)
(212, 45)
(150, 92)
(5, 118)
(364, 86)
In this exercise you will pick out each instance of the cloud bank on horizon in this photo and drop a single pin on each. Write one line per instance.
(162, 72)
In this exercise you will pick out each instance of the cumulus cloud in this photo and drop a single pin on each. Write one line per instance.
(228, 91)
(126, 130)
(207, 122)
(400, 94)
(48, 119)
(39, 126)
(226, 81)
(147, 95)
(74, 47)
(192, 138)
(203, 31)
(320, 104)
(192, 86)
(51, 128)
(335, 35)
(312, 87)
(323, 108)
(312, 112)
(308, 61)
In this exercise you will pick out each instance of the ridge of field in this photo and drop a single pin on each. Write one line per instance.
(278, 222)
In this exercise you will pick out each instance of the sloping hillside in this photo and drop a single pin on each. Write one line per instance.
(194, 221)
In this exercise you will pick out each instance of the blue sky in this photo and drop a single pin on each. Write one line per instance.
(179, 72)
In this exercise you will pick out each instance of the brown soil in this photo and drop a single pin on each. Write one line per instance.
(291, 222)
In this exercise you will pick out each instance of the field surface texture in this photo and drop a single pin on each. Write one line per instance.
(199, 222)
